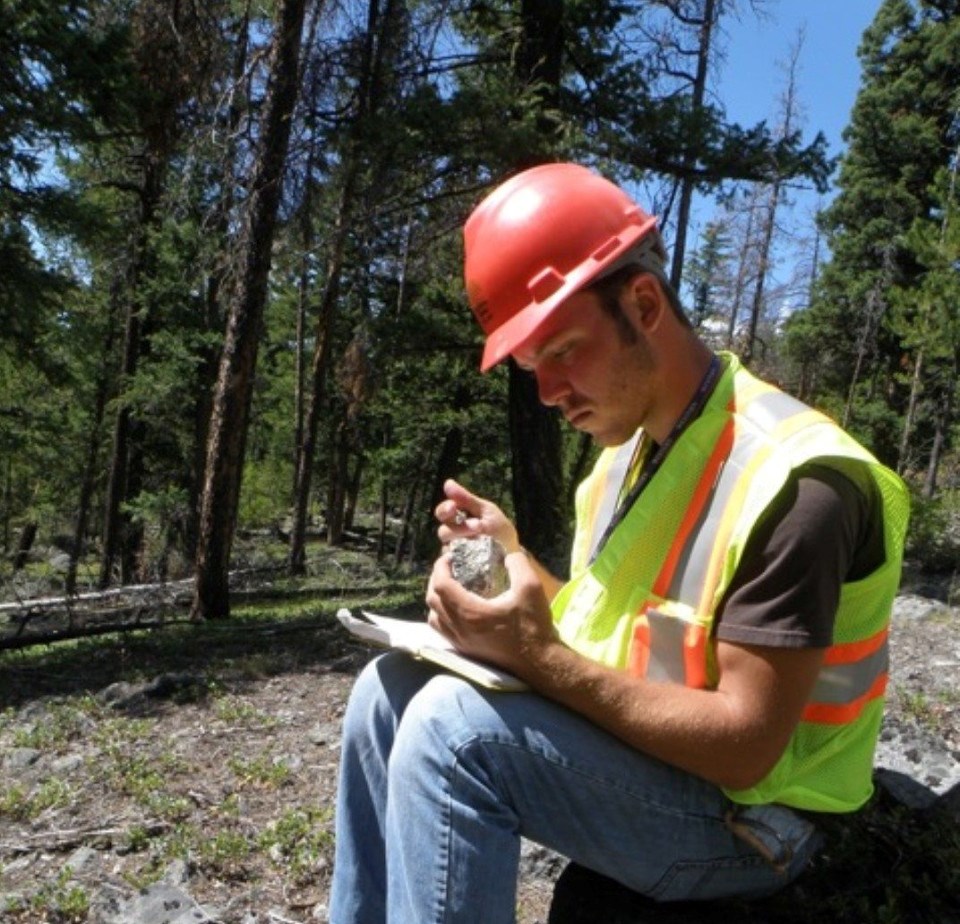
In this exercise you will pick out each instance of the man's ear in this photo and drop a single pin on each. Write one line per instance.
(646, 301)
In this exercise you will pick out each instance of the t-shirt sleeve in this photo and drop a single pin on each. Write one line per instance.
(820, 530)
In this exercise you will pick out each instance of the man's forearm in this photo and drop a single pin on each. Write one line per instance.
(731, 736)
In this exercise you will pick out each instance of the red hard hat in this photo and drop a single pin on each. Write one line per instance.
(538, 238)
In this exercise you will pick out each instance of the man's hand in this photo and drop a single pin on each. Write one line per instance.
(509, 630)
(464, 514)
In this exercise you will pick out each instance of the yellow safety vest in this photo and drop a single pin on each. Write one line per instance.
(646, 602)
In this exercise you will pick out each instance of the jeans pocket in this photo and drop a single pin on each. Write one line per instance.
(745, 874)
(772, 846)
(785, 840)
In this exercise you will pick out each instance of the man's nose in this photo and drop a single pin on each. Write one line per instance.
(552, 387)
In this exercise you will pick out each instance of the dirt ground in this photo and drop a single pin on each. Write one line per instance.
(205, 756)
(208, 755)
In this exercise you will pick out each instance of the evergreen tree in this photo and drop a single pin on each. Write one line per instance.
(62, 81)
(708, 277)
(902, 133)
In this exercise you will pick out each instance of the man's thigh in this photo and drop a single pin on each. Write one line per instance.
(587, 795)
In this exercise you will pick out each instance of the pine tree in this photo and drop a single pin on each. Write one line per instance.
(902, 133)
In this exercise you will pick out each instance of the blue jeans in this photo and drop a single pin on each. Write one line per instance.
(439, 779)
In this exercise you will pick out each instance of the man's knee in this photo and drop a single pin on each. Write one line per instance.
(380, 696)
(441, 719)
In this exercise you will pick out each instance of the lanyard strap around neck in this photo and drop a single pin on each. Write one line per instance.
(652, 458)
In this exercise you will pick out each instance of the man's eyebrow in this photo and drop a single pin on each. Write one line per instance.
(534, 357)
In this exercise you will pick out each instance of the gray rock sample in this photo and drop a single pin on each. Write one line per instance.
(478, 565)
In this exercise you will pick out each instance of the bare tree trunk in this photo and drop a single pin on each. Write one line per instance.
(910, 415)
(216, 284)
(384, 503)
(866, 339)
(337, 494)
(711, 14)
(806, 384)
(300, 366)
(318, 372)
(743, 272)
(353, 492)
(307, 243)
(231, 404)
(406, 520)
(787, 121)
(944, 422)
(88, 479)
(763, 267)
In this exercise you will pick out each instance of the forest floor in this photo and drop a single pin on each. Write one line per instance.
(204, 757)
(200, 756)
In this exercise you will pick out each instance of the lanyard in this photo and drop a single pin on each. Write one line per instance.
(652, 458)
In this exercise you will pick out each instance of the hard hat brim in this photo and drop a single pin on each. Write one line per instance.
(513, 333)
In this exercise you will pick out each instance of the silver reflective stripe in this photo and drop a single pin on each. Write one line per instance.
(666, 647)
(839, 684)
(767, 411)
(613, 479)
(691, 573)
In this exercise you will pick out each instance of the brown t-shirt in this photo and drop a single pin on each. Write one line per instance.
(821, 530)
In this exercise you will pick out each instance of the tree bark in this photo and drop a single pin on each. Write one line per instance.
(231, 405)
(88, 479)
(370, 91)
(27, 536)
(535, 439)
(537, 486)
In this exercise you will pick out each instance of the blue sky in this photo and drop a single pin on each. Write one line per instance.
(750, 80)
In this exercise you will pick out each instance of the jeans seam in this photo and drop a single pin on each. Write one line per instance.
(443, 880)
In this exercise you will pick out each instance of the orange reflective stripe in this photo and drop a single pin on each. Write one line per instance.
(695, 657)
(852, 675)
(639, 657)
(842, 713)
(850, 652)
(700, 496)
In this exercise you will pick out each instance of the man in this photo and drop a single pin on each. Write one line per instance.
(714, 668)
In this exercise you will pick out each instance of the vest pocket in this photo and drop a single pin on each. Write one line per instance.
(670, 642)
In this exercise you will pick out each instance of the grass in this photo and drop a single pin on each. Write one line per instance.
(298, 840)
(262, 771)
(261, 638)
(16, 803)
